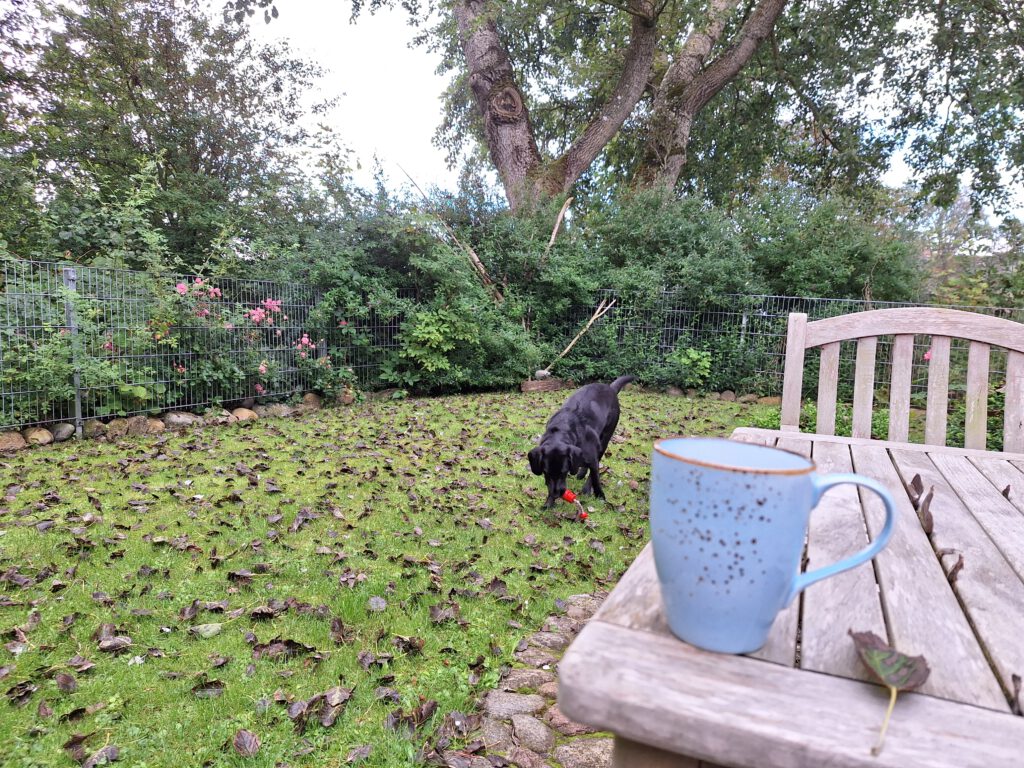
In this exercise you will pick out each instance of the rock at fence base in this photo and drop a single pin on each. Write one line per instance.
(138, 426)
(746, 399)
(770, 400)
(691, 393)
(62, 432)
(503, 704)
(728, 395)
(94, 428)
(713, 396)
(347, 397)
(180, 419)
(585, 753)
(154, 426)
(244, 414)
(279, 410)
(218, 417)
(37, 436)
(248, 403)
(533, 734)
(11, 441)
(674, 392)
(312, 400)
(117, 428)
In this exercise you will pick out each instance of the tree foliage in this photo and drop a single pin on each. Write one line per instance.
(821, 91)
(96, 92)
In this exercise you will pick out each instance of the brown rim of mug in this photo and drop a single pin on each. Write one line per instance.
(728, 467)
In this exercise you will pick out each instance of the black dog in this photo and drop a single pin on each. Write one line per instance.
(577, 437)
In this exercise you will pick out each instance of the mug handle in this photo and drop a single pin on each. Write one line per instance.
(822, 483)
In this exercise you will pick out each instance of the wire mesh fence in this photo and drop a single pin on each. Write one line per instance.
(741, 341)
(85, 342)
(745, 336)
(90, 342)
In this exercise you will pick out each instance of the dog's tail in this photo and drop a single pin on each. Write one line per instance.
(620, 382)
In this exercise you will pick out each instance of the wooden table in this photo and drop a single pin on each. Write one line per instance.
(804, 700)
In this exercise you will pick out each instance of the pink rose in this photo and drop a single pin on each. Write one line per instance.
(928, 355)
(181, 288)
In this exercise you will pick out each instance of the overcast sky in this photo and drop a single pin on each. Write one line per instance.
(390, 98)
(390, 101)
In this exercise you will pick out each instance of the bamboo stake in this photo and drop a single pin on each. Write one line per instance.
(554, 232)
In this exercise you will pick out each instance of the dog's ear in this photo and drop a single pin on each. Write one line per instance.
(536, 461)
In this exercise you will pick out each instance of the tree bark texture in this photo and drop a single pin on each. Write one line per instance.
(506, 121)
(690, 83)
(508, 132)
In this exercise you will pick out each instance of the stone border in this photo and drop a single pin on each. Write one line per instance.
(136, 426)
(521, 720)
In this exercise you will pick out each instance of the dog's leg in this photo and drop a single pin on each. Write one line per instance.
(593, 484)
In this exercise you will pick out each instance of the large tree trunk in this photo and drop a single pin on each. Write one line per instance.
(526, 177)
(507, 128)
(689, 84)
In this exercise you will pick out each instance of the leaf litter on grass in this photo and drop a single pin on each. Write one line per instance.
(131, 573)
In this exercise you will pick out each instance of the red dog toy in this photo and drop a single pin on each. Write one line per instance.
(571, 498)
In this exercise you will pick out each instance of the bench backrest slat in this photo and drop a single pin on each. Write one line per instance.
(942, 325)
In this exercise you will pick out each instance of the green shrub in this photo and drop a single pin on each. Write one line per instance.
(690, 367)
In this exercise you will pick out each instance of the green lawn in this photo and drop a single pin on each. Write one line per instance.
(395, 548)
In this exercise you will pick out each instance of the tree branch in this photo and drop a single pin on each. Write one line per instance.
(636, 73)
(719, 72)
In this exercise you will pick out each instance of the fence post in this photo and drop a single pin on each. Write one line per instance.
(71, 318)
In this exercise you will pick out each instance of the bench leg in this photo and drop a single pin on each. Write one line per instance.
(630, 754)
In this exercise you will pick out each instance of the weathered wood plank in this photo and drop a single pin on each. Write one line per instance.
(1003, 474)
(828, 383)
(636, 600)
(1015, 458)
(793, 374)
(1013, 413)
(917, 320)
(899, 388)
(739, 711)
(924, 615)
(976, 421)
(864, 386)
(997, 516)
(991, 593)
(837, 530)
(938, 392)
(756, 439)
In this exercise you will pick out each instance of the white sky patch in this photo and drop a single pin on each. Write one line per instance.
(390, 99)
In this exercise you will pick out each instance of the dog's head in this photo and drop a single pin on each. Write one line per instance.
(555, 461)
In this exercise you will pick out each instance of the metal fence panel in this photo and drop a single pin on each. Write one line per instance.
(82, 342)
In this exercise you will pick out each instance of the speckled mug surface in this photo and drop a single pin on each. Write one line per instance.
(728, 524)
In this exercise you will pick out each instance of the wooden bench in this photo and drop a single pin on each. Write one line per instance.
(942, 325)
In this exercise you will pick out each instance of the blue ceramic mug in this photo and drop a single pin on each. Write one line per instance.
(728, 525)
